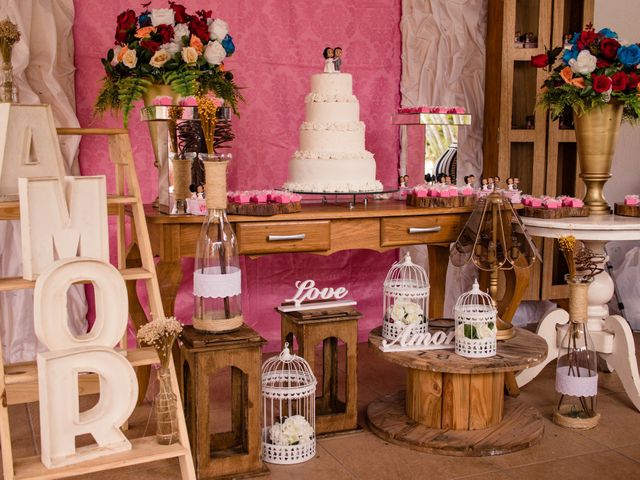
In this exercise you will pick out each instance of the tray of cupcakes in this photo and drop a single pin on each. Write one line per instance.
(553, 207)
(630, 207)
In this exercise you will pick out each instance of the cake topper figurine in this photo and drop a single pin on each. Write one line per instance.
(337, 63)
(470, 180)
(329, 60)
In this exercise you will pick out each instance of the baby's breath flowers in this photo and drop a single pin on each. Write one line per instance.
(160, 334)
(568, 248)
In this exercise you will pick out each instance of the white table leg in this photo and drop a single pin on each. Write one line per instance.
(623, 357)
(547, 330)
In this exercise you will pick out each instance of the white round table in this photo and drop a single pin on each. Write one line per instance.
(611, 333)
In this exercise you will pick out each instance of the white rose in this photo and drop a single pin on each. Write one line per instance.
(584, 64)
(171, 48)
(179, 31)
(218, 29)
(460, 331)
(161, 16)
(214, 53)
(411, 318)
(159, 58)
(189, 55)
(411, 307)
(397, 312)
(130, 58)
(484, 331)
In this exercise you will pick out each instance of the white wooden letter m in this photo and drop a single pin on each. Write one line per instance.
(62, 221)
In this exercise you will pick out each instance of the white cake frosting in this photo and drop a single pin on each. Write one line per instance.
(332, 155)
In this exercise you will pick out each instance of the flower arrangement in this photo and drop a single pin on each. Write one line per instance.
(582, 262)
(167, 46)
(160, 334)
(479, 332)
(295, 430)
(593, 69)
(405, 312)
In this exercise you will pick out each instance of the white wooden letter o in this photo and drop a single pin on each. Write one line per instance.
(50, 304)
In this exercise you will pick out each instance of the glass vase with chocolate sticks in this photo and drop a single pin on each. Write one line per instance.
(577, 367)
(217, 277)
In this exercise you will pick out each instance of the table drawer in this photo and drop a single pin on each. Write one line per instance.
(276, 237)
(397, 231)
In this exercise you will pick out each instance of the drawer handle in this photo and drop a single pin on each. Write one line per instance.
(424, 230)
(284, 238)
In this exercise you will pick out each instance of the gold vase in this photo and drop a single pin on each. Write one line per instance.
(156, 128)
(596, 136)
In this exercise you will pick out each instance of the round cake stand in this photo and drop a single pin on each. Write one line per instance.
(353, 195)
(455, 405)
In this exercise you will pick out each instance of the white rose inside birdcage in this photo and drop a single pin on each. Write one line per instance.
(476, 327)
(406, 299)
(288, 397)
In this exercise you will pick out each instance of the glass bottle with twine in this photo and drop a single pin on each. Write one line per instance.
(577, 367)
(160, 334)
(9, 35)
(217, 277)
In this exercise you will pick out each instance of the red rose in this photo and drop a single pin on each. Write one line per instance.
(634, 80)
(199, 28)
(540, 61)
(619, 81)
(586, 39)
(601, 83)
(165, 32)
(150, 45)
(179, 12)
(609, 48)
(600, 63)
(204, 14)
(126, 21)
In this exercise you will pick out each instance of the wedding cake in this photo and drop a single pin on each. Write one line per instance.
(331, 155)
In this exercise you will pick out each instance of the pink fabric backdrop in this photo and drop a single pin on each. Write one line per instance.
(279, 45)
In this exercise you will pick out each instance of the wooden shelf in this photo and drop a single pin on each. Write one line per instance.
(521, 135)
(524, 54)
(565, 135)
(144, 450)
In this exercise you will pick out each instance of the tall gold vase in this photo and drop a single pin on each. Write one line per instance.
(596, 136)
(158, 128)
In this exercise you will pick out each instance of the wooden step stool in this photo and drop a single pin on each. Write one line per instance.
(237, 452)
(328, 325)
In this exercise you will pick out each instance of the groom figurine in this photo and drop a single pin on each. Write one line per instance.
(337, 54)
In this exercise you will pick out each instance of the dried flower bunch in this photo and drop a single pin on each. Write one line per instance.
(207, 108)
(160, 334)
(9, 35)
(581, 260)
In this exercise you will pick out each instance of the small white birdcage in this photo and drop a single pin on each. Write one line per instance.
(289, 409)
(406, 299)
(476, 326)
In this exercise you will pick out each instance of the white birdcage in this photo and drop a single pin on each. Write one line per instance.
(476, 326)
(289, 409)
(406, 299)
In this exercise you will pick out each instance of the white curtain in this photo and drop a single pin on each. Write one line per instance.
(443, 61)
(44, 73)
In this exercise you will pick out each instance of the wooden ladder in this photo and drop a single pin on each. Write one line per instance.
(19, 384)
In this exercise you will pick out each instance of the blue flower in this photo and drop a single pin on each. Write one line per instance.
(569, 53)
(629, 55)
(145, 19)
(227, 43)
(574, 40)
(608, 33)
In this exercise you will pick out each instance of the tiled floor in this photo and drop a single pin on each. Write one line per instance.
(610, 451)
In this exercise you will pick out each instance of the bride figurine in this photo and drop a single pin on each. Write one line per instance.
(329, 60)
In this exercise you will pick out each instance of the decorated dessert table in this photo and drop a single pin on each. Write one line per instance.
(455, 405)
(611, 333)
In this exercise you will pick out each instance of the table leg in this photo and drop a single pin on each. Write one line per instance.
(623, 357)
(169, 278)
(438, 263)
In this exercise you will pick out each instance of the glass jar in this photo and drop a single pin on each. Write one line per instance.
(217, 277)
(577, 368)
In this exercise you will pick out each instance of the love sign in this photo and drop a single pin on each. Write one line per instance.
(408, 341)
(308, 297)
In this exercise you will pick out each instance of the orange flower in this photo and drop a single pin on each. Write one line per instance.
(121, 53)
(577, 82)
(566, 74)
(196, 43)
(221, 68)
(145, 32)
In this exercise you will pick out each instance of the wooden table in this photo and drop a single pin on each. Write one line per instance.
(455, 405)
(321, 229)
(611, 334)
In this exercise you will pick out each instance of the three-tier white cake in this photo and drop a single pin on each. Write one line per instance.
(332, 156)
